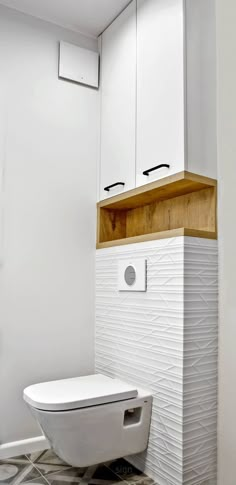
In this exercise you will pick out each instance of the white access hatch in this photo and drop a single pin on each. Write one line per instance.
(78, 64)
(78, 392)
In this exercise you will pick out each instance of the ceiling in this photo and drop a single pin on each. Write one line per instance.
(89, 17)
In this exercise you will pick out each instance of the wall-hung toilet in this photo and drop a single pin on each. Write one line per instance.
(92, 419)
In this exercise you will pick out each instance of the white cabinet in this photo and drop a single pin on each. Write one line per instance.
(200, 79)
(158, 93)
(176, 97)
(118, 104)
(160, 88)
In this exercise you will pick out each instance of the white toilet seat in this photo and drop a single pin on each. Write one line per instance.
(78, 392)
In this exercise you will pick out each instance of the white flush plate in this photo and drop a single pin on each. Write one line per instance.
(132, 275)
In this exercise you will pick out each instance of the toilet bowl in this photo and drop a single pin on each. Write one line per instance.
(92, 419)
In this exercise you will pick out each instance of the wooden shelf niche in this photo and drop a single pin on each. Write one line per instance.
(179, 205)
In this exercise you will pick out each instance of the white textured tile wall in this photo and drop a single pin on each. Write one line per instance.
(166, 340)
(200, 360)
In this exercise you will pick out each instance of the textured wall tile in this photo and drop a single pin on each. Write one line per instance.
(166, 340)
(200, 360)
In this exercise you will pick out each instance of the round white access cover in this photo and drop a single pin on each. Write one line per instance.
(78, 392)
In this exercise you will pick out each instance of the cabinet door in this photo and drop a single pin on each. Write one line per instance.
(118, 104)
(160, 88)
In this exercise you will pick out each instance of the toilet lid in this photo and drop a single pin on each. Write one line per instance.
(78, 392)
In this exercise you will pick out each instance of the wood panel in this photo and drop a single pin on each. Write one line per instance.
(169, 187)
(112, 225)
(193, 212)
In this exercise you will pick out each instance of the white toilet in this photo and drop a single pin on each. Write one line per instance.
(91, 419)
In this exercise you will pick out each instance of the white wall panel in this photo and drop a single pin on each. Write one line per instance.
(166, 340)
(48, 149)
(226, 120)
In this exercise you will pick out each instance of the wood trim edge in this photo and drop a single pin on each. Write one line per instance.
(183, 231)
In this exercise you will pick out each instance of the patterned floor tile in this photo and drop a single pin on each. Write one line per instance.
(15, 472)
(46, 468)
(102, 475)
(47, 462)
(36, 481)
(35, 455)
(129, 473)
(142, 481)
(93, 475)
(17, 459)
(49, 457)
(70, 475)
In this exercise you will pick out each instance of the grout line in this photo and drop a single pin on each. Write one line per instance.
(27, 458)
(35, 467)
(39, 453)
(46, 480)
(39, 471)
(20, 476)
(65, 468)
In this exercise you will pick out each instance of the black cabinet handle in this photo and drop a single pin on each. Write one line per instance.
(146, 172)
(113, 185)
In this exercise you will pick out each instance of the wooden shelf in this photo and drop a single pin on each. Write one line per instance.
(182, 204)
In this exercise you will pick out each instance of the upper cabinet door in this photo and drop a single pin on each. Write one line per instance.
(160, 89)
(118, 104)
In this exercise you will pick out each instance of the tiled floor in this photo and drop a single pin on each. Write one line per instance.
(45, 468)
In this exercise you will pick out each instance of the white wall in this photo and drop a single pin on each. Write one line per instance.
(226, 44)
(48, 149)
